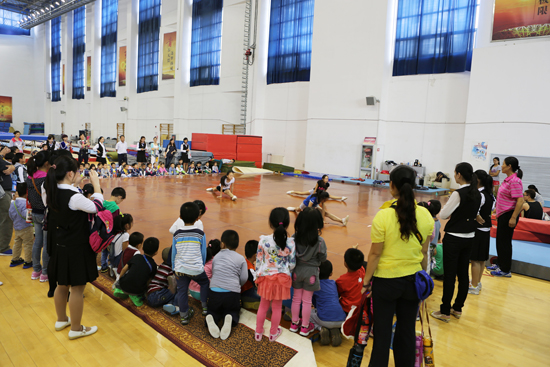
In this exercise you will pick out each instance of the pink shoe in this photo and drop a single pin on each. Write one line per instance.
(258, 336)
(274, 337)
(43, 278)
(36, 275)
(305, 331)
(295, 326)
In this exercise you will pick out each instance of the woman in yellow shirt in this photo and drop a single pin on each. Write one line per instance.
(400, 237)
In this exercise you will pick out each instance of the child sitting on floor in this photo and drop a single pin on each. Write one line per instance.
(191, 170)
(249, 293)
(215, 168)
(214, 246)
(135, 275)
(328, 313)
(172, 170)
(229, 273)
(350, 284)
(113, 171)
(188, 259)
(180, 170)
(135, 244)
(162, 289)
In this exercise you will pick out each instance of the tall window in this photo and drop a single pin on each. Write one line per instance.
(56, 59)
(148, 45)
(434, 36)
(79, 49)
(290, 33)
(206, 42)
(9, 23)
(109, 18)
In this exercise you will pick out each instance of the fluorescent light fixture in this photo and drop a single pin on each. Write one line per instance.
(57, 3)
(42, 10)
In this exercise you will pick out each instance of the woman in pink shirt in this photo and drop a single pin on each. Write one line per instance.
(508, 207)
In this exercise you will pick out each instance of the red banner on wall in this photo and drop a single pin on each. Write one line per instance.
(521, 19)
(6, 109)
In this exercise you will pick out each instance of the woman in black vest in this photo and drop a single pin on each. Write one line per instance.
(462, 210)
(73, 262)
(51, 143)
(101, 152)
(482, 239)
(142, 147)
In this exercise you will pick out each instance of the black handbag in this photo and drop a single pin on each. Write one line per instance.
(355, 357)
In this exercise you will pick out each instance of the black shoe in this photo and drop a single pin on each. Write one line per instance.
(104, 269)
(17, 262)
(27, 265)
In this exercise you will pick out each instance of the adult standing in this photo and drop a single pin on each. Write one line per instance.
(73, 261)
(170, 151)
(509, 205)
(6, 224)
(141, 148)
(83, 145)
(531, 208)
(185, 153)
(155, 151)
(51, 143)
(122, 150)
(101, 152)
(400, 237)
(16, 141)
(37, 167)
(462, 210)
(494, 172)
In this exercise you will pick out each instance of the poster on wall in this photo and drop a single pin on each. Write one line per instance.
(89, 73)
(63, 79)
(122, 67)
(6, 109)
(479, 151)
(521, 19)
(169, 56)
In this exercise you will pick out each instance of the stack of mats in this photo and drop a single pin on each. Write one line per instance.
(5, 127)
(249, 148)
(222, 146)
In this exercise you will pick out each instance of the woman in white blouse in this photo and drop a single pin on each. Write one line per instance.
(101, 151)
(155, 151)
(73, 262)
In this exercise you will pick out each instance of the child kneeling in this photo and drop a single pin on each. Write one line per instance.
(137, 273)
(229, 273)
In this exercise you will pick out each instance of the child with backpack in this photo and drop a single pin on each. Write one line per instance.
(118, 195)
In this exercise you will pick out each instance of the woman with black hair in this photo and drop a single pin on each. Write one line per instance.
(37, 167)
(494, 172)
(51, 143)
(400, 237)
(225, 186)
(538, 197)
(509, 206)
(101, 152)
(531, 208)
(461, 210)
(83, 146)
(170, 151)
(141, 148)
(73, 262)
(482, 238)
(185, 154)
(321, 185)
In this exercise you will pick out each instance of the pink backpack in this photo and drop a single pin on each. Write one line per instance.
(101, 231)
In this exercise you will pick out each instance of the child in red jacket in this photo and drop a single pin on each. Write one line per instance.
(350, 284)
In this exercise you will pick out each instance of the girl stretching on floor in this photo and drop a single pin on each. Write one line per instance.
(225, 186)
(275, 261)
(318, 200)
(311, 251)
(322, 184)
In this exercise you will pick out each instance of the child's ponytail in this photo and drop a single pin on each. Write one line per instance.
(62, 165)
(279, 219)
(120, 222)
(212, 249)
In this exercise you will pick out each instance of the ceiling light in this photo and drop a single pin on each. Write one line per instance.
(57, 3)
(42, 10)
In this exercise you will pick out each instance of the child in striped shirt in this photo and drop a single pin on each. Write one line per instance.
(188, 259)
(162, 289)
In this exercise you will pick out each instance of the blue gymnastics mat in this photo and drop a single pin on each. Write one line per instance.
(536, 253)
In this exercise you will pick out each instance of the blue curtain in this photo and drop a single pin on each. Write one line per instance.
(109, 18)
(148, 45)
(434, 36)
(206, 42)
(79, 49)
(56, 59)
(290, 33)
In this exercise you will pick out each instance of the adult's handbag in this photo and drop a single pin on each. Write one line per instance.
(419, 352)
(424, 284)
(427, 342)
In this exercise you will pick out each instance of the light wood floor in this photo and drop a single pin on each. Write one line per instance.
(507, 325)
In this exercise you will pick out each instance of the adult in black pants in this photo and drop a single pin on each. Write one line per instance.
(509, 205)
(400, 238)
(122, 150)
(462, 210)
(73, 263)
(83, 145)
(142, 147)
(170, 152)
(101, 152)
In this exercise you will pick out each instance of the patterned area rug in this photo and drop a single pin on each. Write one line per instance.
(240, 349)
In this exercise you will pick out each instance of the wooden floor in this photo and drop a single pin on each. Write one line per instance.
(507, 325)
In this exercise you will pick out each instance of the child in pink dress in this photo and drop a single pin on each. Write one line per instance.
(275, 261)
(214, 246)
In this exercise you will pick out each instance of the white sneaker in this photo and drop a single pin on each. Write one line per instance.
(213, 329)
(291, 209)
(290, 192)
(226, 328)
(82, 333)
(345, 221)
(1, 283)
(60, 325)
(344, 198)
(209, 189)
(473, 290)
(234, 198)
